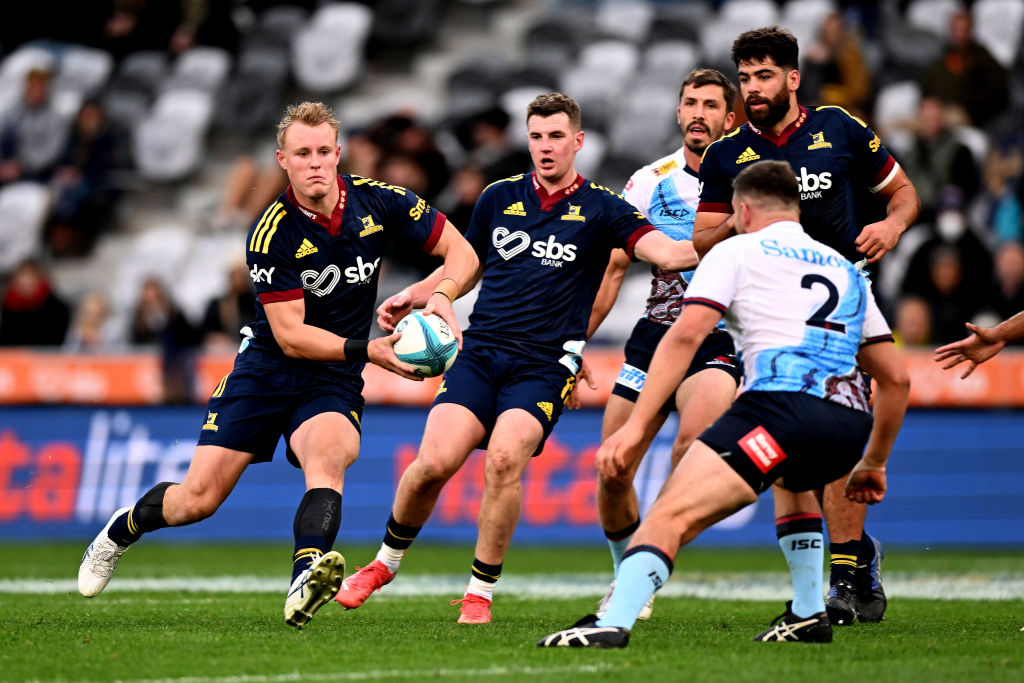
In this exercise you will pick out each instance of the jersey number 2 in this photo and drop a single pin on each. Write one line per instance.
(820, 317)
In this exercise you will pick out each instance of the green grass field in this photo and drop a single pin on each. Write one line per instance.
(212, 614)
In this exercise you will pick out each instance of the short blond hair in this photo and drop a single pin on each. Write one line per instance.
(310, 113)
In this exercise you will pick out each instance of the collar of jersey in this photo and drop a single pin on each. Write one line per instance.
(786, 134)
(549, 200)
(331, 224)
(783, 226)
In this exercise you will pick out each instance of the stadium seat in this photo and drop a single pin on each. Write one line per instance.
(669, 60)
(143, 71)
(405, 22)
(644, 126)
(625, 19)
(550, 44)
(679, 21)
(203, 272)
(17, 64)
(998, 25)
(615, 60)
(24, 207)
(191, 107)
(276, 25)
(590, 158)
(895, 109)
(975, 140)
(804, 18)
(327, 53)
(755, 12)
(596, 93)
(932, 15)
(157, 252)
(252, 97)
(165, 149)
(201, 68)
(84, 69)
(716, 51)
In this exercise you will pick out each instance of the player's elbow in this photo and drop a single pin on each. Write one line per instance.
(895, 381)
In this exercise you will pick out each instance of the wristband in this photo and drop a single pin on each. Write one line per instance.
(441, 290)
(356, 350)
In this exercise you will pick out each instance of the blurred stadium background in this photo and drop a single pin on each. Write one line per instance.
(136, 145)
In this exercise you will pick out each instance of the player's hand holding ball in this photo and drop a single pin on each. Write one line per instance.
(381, 351)
(427, 344)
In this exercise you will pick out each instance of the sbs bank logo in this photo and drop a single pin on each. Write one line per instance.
(323, 282)
(812, 184)
(549, 251)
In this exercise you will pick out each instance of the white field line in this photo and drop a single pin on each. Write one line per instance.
(517, 671)
(756, 586)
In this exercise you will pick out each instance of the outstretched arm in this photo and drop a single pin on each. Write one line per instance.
(661, 250)
(710, 228)
(982, 344)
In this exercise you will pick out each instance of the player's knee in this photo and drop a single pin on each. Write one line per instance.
(503, 465)
(432, 470)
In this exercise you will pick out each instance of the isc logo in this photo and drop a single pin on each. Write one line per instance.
(550, 251)
(813, 182)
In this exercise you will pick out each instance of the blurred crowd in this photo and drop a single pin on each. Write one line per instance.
(959, 138)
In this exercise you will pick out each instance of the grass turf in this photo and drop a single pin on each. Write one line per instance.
(241, 637)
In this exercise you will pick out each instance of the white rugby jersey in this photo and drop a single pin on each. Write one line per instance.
(667, 192)
(798, 312)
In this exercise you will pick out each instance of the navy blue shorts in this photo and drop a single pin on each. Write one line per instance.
(716, 351)
(489, 380)
(255, 405)
(805, 440)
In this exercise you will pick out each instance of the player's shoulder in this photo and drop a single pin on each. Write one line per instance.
(723, 144)
(370, 186)
(836, 114)
(278, 216)
(505, 183)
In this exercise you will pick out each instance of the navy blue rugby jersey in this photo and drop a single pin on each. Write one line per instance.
(543, 258)
(332, 262)
(835, 156)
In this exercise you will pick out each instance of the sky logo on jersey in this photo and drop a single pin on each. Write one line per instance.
(762, 449)
(748, 155)
(818, 141)
(812, 184)
(369, 227)
(262, 274)
(305, 249)
(574, 214)
(516, 209)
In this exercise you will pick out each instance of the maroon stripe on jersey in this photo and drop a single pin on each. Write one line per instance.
(635, 237)
(876, 340)
(549, 200)
(884, 173)
(285, 295)
(785, 135)
(704, 302)
(714, 207)
(435, 233)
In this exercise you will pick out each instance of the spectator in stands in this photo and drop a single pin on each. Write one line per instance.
(460, 196)
(401, 134)
(951, 228)
(951, 299)
(225, 315)
(835, 71)
(485, 137)
(913, 322)
(93, 330)
(362, 154)
(1008, 295)
(158, 321)
(967, 74)
(404, 170)
(84, 185)
(31, 314)
(936, 159)
(1004, 189)
(34, 134)
(252, 184)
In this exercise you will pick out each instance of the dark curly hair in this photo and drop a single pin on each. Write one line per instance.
(771, 41)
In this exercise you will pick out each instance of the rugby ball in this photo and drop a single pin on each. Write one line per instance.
(427, 344)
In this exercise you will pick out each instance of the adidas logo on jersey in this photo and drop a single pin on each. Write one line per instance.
(305, 249)
(547, 408)
(516, 209)
(748, 155)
